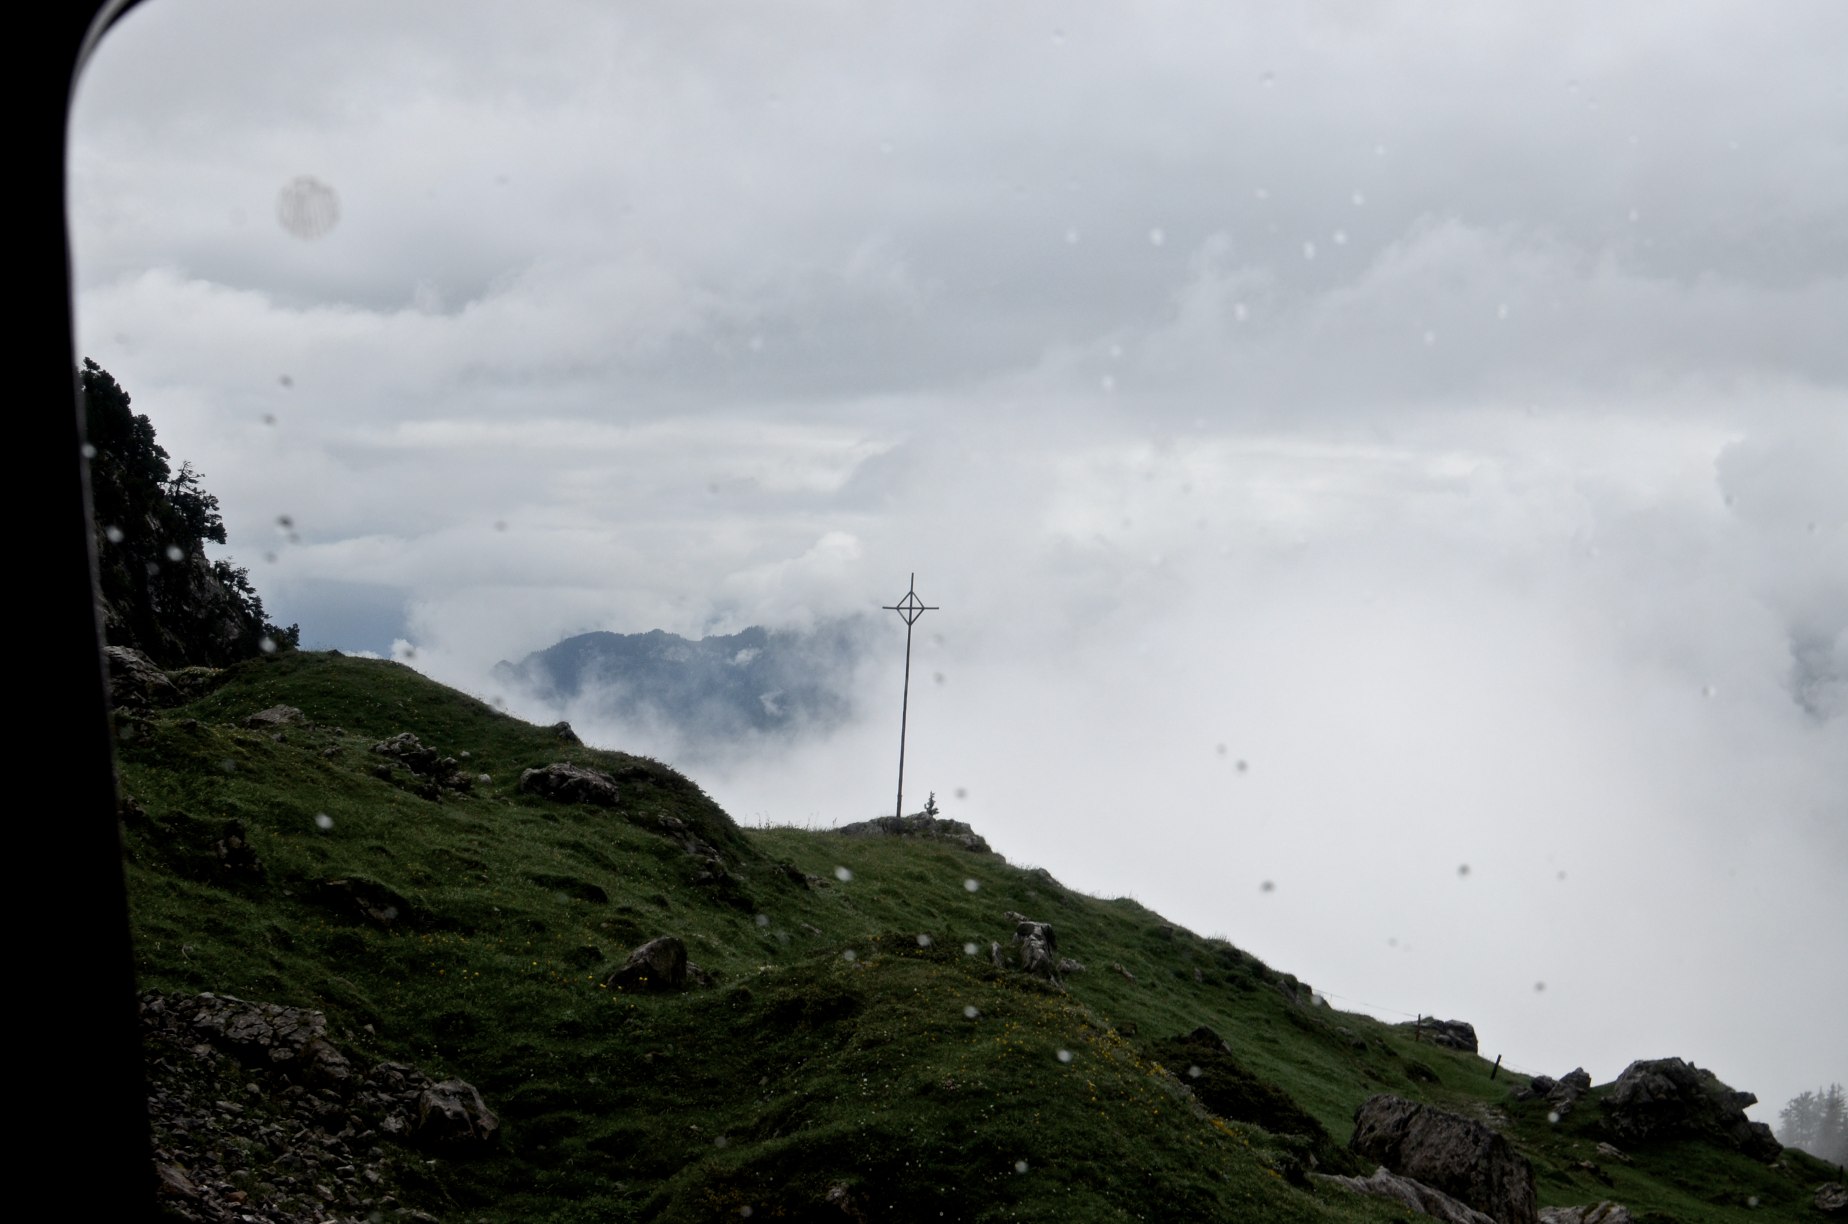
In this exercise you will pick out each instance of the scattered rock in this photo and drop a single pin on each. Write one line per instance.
(1117, 968)
(659, 964)
(136, 681)
(1669, 1096)
(563, 732)
(1561, 1094)
(1383, 1183)
(1068, 966)
(567, 783)
(1038, 947)
(1605, 1212)
(273, 718)
(919, 825)
(1451, 1034)
(1831, 1199)
(409, 751)
(1447, 1152)
(1611, 1152)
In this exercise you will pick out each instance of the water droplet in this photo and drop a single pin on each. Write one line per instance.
(1243, 765)
(113, 534)
(1340, 237)
(1552, 1115)
(174, 553)
(1539, 986)
(484, 779)
(267, 645)
(269, 418)
(1071, 236)
(1359, 198)
(1268, 886)
(323, 821)
(285, 380)
(962, 792)
(1635, 216)
(1462, 869)
(1065, 1056)
(1157, 236)
(1430, 337)
(722, 1141)
(938, 677)
(849, 955)
(1707, 690)
(1309, 250)
(1751, 1200)
(762, 920)
(1562, 875)
(972, 885)
(89, 452)
(307, 207)
(923, 941)
(1193, 1072)
(1260, 193)
(1107, 382)
(500, 524)
(1379, 150)
(971, 948)
(1392, 941)
(745, 1211)
(843, 874)
(1058, 38)
(1240, 312)
(284, 522)
(228, 765)
(1220, 749)
(971, 1011)
(1020, 1166)
(1268, 79)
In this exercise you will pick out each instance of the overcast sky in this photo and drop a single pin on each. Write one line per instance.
(1440, 410)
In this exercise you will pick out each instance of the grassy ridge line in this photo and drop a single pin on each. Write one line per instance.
(805, 1070)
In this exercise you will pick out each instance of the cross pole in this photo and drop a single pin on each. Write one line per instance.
(910, 607)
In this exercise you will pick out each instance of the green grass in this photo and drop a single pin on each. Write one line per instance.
(835, 1050)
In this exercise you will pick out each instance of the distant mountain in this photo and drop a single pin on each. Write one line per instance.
(757, 679)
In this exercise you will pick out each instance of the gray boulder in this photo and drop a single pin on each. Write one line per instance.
(567, 783)
(1664, 1097)
(919, 825)
(274, 718)
(1383, 1183)
(1561, 1094)
(451, 1114)
(1605, 1212)
(1039, 949)
(660, 964)
(1447, 1152)
(136, 681)
(1831, 1199)
(1451, 1034)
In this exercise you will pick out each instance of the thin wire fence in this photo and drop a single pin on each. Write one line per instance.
(1378, 1011)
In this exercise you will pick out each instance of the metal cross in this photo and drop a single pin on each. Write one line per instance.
(910, 607)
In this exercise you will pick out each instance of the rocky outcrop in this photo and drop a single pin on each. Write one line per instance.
(1036, 946)
(274, 718)
(658, 965)
(1561, 1094)
(919, 825)
(434, 771)
(1383, 1183)
(564, 782)
(1670, 1096)
(1447, 1152)
(1605, 1212)
(135, 681)
(1451, 1034)
(257, 1114)
(1831, 1199)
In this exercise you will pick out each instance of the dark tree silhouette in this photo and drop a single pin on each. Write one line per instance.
(1817, 1122)
(158, 591)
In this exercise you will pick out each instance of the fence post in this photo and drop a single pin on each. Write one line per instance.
(1496, 1069)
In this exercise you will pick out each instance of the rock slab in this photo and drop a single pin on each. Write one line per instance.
(1384, 1183)
(1670, 1096)
(567, 783)
(1447, 1152)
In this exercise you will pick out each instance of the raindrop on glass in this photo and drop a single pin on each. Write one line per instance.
(1635, 216)
(1243, 765)
(762, 920)
(307, 207)
(923, 941)
(174, 553)
(284, 523)
(228, 765)
(1268, 79)
(113, 534)
(267, 645)
(1707, 690)
(1552, 1115)
(1240, 312)
(323, 821)
(1462, 870)
(962, 792)
(1020, 1166)
(1268, 886)
(285, 380)
(843, 874)
(269, 418)
(1359, 198)
(972, 885)
(1501, 311)
(1065, 1056)
(1193, 1072)
(971, 948)
(1309, 250)
(89, 452)
(721, 1141)
(1220, 749)
(1430, 337)
(1071, 236)
(849, 955)
(1157, 236)
(500, 524)
(1539, 986)
(1340, 237)
(971, 1011)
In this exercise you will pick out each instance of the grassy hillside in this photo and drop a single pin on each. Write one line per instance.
(852, 1059)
